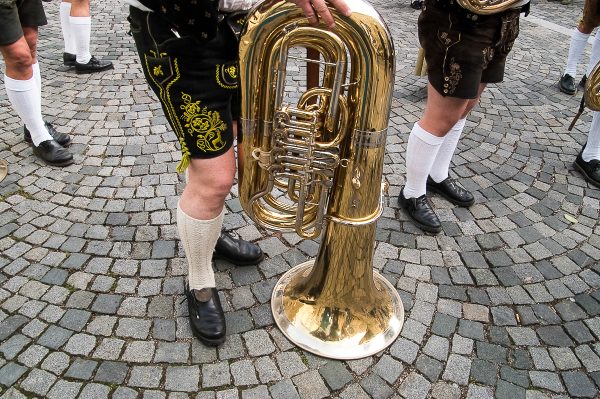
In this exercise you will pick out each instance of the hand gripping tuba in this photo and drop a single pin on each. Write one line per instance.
(315, 167)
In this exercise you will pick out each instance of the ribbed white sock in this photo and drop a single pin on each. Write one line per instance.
(81, 28)
(65, 24)
(25, 99)
(595, 57)
(37, 77)
(592, 148)
(439, 169)
(199, 238)
(576, 48)
(420, 153)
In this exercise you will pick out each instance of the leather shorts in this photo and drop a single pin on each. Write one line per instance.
(463, 49)
(14, 14)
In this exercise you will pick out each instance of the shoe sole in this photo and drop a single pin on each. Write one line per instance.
(452, 200)
(236, 262)
(586, 176)
(67, 144)
(207, 341)
(420, 225)
(571, 93)
(87, 71)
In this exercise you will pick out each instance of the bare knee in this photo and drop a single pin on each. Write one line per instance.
(18, 60)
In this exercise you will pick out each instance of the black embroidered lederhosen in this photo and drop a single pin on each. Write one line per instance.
(462, 49)
(14, 14)
(195, 79)
(591, 15)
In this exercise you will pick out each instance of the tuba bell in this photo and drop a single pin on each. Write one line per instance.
(315, 165)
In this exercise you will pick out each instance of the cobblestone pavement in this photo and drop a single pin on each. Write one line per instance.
(505, 302)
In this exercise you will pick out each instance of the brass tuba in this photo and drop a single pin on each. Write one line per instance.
(315, 167)
(591, 93)
(486, 7)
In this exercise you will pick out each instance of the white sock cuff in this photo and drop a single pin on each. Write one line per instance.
(460, 125)
(65, 7)
(190, 219)
(80, 20)
(580, 36)
(425, 136)
(19, 85)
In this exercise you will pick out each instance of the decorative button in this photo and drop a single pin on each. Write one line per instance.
(445, 91)
(446, 78)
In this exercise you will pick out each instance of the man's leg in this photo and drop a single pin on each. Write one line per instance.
(70, 50)
(31, 35)
(579, 39)
(24, 95)
(439, 180)
(80, 23)
(588, 160)
(441, 114)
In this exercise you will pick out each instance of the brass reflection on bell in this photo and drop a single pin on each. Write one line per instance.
(316, 167)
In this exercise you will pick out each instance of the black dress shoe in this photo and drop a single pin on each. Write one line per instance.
(69, 59)
(416, 4)
(590, 170)
(567, 84)
(449, 189)
(421, 212)
(93, 65)
(61, 138)
(237, 251)
(206, 315)
(53, 153)
(582, 81)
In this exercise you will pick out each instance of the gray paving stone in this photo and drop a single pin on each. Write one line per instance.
(215, 375)
(283, 389)
(414, 386)
(182, 378)
(38, 382)
(10, 373)
(335, 374)
(310, 385)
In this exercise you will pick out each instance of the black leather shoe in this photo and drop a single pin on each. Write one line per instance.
(69, 59)
(206, 315)
(53, 153)
(93, 65)
(449, 189)
(590, 170)
(237, 251)
(421, 212)
(567, 84)
(416, 4)
(582, 81)
(61, 138)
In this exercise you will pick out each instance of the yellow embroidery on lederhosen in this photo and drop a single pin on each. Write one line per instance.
(231, 70)
(165, 98)
(204, 124)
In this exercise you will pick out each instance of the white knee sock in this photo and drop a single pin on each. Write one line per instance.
(420, 153)
(592, 147)
(595, 57)
(81, 27)
(37, 77)
(65, 24)
(439, 169)
(578, 42)
(199, 238)
(25, 99)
